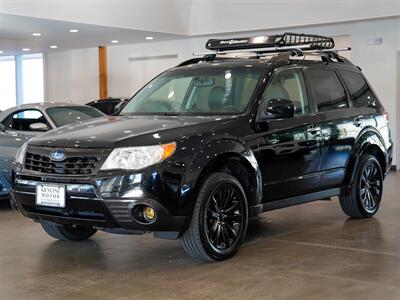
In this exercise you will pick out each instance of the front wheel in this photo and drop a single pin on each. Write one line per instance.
(68, 232)
(219, 220)
(364, 198)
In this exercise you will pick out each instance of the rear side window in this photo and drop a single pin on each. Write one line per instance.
(359, 89)
(328, 91)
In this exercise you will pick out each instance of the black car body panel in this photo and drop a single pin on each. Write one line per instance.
(280, 161)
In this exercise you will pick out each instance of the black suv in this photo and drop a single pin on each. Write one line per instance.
(254, 125)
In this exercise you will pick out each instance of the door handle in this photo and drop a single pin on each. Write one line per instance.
(358, 121)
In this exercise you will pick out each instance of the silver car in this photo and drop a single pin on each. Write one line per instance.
(20, 123)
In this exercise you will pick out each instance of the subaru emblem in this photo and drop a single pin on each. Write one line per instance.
(57, 155)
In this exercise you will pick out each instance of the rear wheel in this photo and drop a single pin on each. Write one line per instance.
(364, 199)
(68, 232)
(219, 220)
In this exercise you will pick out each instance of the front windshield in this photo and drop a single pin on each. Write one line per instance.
(64, 115)
(203, 90)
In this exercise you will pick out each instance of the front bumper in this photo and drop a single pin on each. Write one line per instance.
(85, 207)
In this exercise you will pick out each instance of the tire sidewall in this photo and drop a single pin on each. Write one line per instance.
(209, 187)
(367, 160)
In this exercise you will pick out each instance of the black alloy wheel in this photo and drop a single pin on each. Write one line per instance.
(370, 189)
(224, 217)
(220, 217)
(364, 198)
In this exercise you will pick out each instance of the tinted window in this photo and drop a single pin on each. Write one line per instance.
(197, 90)
(359, 89)
(64, 115)
(328, 91)
(289, 85)
(22, 120)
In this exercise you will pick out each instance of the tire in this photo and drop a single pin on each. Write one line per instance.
(365, 195)
(68, 232)
(219, 221)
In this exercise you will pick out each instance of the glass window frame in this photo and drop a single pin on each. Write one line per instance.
(15, 112)
(312, 92)
(311, 104)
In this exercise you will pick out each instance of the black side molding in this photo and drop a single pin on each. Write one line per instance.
(322, 195)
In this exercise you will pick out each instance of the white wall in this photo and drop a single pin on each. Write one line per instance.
(73, 75)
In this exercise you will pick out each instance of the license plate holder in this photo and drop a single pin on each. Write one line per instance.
(50, 195)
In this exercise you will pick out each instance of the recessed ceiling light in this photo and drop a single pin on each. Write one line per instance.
(149, 38)
(36, 34)
(1, 52)
(114, 41)
(53, 46)
(74, 30)
(26, 49)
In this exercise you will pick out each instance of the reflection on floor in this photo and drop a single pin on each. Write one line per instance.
(308, 252)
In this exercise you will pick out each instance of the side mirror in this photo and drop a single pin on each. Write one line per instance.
(118, 107)
(280, 108)
(38, 126)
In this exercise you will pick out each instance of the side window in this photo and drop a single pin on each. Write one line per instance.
(21, 120)
(359, 89)
(289, 85)
(328, 91)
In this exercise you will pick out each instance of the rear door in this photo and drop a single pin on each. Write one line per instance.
(288, 153)
(339, 124)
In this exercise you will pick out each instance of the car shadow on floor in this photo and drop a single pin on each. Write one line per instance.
(5, 204)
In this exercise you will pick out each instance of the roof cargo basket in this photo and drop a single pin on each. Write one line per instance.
(278, 42)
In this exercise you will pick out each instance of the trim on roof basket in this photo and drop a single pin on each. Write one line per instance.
(288, 39)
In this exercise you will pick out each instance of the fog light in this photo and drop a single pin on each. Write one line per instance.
(149, 213)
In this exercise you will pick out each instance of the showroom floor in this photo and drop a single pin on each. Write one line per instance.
(306, 252)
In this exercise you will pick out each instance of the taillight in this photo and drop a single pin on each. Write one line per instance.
(386, 116)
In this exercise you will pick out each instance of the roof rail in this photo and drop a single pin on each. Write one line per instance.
(273, 42)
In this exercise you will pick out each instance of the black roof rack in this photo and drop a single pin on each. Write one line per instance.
(277, 42)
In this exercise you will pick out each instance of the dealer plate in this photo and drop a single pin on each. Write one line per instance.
(52, 195)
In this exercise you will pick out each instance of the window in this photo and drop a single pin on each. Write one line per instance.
(71, 114)
(32, 78)
(359, 89)
(197, 90)
(21, 80)
(21, 120)
(289, 85)
(328, 92)
(8, 94)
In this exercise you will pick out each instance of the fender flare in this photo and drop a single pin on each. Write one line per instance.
(226, 148)
(369, 136)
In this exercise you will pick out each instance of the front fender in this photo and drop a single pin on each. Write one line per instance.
(223, 149)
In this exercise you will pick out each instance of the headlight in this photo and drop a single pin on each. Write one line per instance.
(136, 158)
(20, 156)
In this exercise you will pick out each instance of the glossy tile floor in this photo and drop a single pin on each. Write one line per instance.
(306, 252)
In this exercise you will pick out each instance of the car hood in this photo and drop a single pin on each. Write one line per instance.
(120, 131)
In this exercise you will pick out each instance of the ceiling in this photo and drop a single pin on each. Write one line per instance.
(130, 21)
(16, 34)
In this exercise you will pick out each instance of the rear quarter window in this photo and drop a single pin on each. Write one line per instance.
(361, 93)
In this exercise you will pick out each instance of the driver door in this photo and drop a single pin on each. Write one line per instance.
(289, 148)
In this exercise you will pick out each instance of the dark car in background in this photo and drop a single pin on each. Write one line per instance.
(211, 143)
(109, 106)
(20, 123)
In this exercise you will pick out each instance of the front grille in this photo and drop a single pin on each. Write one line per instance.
(70, 166)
